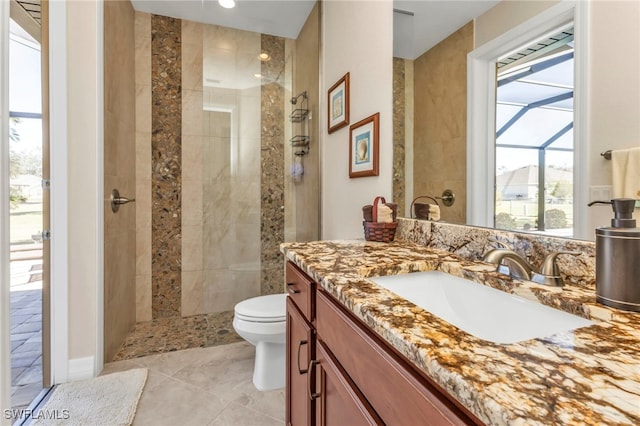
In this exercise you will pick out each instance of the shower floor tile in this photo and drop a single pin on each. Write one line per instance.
(175, 334)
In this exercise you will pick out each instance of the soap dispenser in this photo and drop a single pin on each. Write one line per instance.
(618, 258)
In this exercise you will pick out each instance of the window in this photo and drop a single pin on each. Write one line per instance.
(534, 137)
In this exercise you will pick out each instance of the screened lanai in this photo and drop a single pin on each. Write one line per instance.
(534, 137)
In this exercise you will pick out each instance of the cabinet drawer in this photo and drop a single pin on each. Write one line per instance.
(301, 290)
(395, 390)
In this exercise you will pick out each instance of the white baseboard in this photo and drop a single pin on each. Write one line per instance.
(80, 369)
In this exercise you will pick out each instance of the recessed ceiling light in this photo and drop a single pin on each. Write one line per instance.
(257, 75)
(264, 56)
(227, 4)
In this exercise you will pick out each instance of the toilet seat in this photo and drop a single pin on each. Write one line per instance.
(265, 309)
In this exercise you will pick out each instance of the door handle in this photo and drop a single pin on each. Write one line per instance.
(292, 290)
(117, 200)
(300, 343)
(311, 369)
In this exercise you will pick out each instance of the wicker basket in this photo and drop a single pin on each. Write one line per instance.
(380, 232)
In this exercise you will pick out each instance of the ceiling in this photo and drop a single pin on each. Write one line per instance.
(431, 22)
(282, 18)
(26, 19)
(418, 25)
(33, 8)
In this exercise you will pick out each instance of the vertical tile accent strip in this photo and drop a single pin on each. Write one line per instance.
(143, 165)
(166, 167)
(272, 165)
(398, 134)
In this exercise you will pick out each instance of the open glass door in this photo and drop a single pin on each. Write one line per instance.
(29, 201)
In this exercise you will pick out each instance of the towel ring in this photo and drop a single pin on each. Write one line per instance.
(416, 199)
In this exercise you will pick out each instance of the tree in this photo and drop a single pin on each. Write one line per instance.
(14, 159)
(555, 219)
(562, 189)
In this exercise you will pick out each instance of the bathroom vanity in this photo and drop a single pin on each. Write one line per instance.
(359, 353)
(337, 369)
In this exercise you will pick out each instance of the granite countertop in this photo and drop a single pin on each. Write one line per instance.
(587, 376)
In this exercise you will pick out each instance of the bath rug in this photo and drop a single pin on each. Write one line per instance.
(105, 400)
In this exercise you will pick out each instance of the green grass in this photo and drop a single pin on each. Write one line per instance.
(24, 221)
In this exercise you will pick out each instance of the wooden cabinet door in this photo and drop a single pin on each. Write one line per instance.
(300, 350)
(399, 395)
(338, 402)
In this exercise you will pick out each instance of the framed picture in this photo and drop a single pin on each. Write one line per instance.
(363, 147)
(338, 104)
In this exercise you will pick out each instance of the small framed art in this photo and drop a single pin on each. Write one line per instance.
(338, 104)
(363, 147)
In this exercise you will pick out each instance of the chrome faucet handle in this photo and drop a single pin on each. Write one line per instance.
(549, 265)
(549, 271)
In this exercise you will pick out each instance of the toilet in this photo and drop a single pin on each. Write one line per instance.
(262, 322)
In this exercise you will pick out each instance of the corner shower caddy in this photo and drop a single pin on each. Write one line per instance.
(301, 134)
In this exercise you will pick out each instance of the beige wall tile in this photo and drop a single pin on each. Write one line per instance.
(191, 55)
(192, 248)
(192, 120)
(192, 32)
(192, 158)
(143, 108)
(192, 293)
(143, 48)
(143, 251)
(302, 201)
(225, 288)
(143, 155)
(440, 120)
(143, 204)
(192, 208)
(143, 298)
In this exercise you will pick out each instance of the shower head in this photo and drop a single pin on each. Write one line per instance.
(294, 100)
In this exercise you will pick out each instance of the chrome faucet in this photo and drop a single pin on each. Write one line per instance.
(511, 263)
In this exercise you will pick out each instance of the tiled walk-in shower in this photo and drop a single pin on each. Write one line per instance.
(174, 334)
(210, 124)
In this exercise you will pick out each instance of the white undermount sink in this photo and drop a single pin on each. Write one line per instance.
(482, 311)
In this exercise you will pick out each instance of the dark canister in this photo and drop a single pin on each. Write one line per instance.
(618, 259)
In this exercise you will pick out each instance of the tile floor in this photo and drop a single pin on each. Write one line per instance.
(203, 386)
(26, 326)
(207, 385)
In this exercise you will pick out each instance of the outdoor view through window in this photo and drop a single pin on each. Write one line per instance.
(534, 137)
(25, 217)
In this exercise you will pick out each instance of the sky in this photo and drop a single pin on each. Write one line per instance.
(25, 88)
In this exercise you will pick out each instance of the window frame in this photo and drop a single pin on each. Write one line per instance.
(481, 92)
